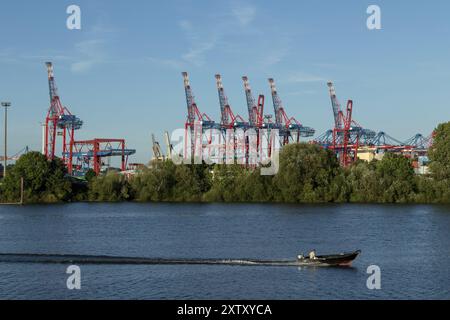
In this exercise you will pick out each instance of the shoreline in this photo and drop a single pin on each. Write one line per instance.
(227, 203)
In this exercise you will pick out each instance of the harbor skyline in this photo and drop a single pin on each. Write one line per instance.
(121, 72)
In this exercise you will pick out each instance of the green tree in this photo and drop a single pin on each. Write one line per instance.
(227, 183)
(111, 187)
(192, 181)
(44, 181)
(440, 152)
(256, 187)
(396, 177)
(89, 175)
(363, 182)
(155, 183)
(306, 174)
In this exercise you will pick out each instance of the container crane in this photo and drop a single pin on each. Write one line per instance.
(228, 119)
(156, 148)
(59, 121)
(169, 145)
(255, 111)
(195, 124)
(287, 126)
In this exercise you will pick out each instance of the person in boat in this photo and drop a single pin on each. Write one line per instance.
(312, 255)
(300, 257)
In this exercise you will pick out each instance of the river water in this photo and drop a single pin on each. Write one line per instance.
(409, 243)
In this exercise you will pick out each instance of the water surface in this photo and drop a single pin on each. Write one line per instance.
(410, 243)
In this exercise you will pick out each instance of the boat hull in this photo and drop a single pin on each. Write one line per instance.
(343, 259)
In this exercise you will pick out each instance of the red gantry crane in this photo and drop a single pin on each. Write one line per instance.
(255, 111)
(228, 119)
(196, 123)
(289, 127)
(59, 122)
(346, 133)
(78, 156)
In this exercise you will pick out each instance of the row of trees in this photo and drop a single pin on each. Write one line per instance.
(307, 174)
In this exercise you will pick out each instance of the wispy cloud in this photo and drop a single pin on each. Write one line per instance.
(301, 93)
(304, 77)
(13, 56)
(274, 56)
(325, 65)
(196, 54)
(89, 47)
(244, 13)
(171, 63)
(90, 52)
(202, 40)
(83, 56)
(82, 66)
(8, 55)
(186, 25)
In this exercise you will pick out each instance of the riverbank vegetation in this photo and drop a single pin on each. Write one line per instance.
(307, 174)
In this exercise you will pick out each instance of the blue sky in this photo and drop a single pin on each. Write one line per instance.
(121, 72)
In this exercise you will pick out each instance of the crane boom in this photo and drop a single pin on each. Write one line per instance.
(251, 104)
(336, 105)
(189, 97)
(277, 104)
(223, 101)
(168, 145)
(53, 91)
(157, 153)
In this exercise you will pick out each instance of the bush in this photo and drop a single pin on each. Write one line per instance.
(111, 187)
(44, 181)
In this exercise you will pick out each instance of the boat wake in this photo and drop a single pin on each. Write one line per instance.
(93, 259)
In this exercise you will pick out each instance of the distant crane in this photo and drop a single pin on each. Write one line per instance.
(17, 155)
(257, 119)
(237, 146)
(418, 141)
(255, 111)
(336, 106)
(78, 156)
(347, 149)
(357, 132)
(286, 125)
(169, 145)
(59, 121)
(347, 135)
(228, 118)
(382, 140)
(157, 152)
(344, 142)
(196, 123)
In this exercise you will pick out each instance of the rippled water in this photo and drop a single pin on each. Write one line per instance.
(411, 245)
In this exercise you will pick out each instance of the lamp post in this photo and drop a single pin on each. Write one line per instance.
(6, 105)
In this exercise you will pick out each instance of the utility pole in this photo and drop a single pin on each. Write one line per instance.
(6, 105)
(21, 190)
